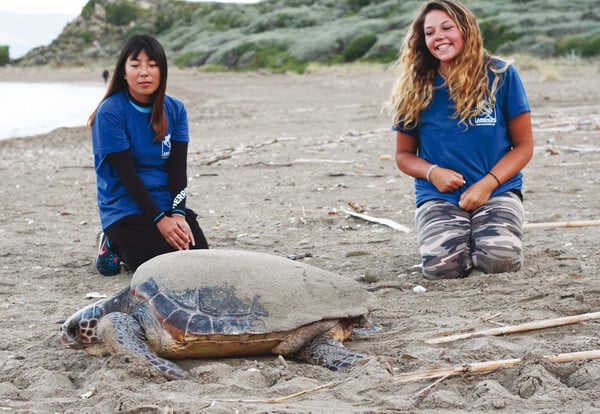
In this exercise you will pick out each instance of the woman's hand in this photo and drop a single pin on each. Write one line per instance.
(176, 232)
(476, 195)
(445, 180)
(407, 160)
(521, 137)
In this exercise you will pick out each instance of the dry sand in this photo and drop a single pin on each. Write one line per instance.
(275, 159)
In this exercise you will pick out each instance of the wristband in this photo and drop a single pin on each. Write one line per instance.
(495, 178)
(429, 171)
(178, 211)
(159, 217)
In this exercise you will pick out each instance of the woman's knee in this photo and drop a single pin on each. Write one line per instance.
(498, 235)
(499, 259)
(447, 266)
(444, 240)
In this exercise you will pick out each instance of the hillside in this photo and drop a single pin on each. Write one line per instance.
(288, 34)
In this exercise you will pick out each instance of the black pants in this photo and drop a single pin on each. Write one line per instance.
(136, 238)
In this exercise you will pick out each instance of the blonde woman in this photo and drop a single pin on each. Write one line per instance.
(463, 131)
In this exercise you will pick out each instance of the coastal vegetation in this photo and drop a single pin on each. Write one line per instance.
(287, 35)
(4, 55)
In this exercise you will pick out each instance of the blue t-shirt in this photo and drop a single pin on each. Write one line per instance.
(471, 150)
(121, 124)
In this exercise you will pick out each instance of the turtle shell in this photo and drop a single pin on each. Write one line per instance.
(232, 302)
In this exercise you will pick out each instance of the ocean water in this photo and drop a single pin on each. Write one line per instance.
(36, 108)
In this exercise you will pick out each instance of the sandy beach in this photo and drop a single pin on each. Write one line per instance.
(275, 160)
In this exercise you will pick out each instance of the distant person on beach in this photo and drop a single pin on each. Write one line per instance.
(105, 74)
(140, 141)
(463, 131)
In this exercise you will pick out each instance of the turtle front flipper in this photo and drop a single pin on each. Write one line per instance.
(328, 353)
(124, 331)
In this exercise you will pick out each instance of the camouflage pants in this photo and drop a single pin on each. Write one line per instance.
(453, 241)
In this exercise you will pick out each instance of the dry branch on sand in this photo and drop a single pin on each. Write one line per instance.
(384, 221)
(491, 366)
(226, 153)
(584, 223)
(530, 326)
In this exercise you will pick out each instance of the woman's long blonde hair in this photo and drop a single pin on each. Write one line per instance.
(467, 80)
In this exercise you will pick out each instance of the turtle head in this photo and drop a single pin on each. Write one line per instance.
(80, 330)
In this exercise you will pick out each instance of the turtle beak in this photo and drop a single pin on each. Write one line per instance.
(65, 339)
(69, 334)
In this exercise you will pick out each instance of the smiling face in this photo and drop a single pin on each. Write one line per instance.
(143, 77)
(442, 38)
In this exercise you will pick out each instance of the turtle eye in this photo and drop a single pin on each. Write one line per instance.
(72, 330)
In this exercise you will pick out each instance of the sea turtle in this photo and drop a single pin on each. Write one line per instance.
(220, 303)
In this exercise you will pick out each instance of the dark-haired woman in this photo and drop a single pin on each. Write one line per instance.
(140, 140)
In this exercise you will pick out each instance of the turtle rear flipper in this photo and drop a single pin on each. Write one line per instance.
(124, 331)
(329, 353)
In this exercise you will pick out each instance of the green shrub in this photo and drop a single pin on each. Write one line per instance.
(390, 10)
(495, 34)
(4, 55)
(384, 53)
(162, 22)
(584, 46)
(386, 49)
(358, 46)
(232, 57)
(121, 13)
(274, 59)
(138, 28)
(543, 46)
(87, 36)
(213, 68)
(229, 18)
(359, 4)
(88, 9)
(258, 53)
(289, 18)
(191, 59)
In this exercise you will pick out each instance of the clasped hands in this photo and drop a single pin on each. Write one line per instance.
(176, 231)
(447, 181)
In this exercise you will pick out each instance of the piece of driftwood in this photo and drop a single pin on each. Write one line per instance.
(491, 366)
(583, 223)
(581, 149)
(229, 152)
(530, 326)
(426, 390)
(281, 399)
(320, 161)
(384, 221)
(267, 164)
(386, 285)
(578, 163)
(356, 207)
(353, 174)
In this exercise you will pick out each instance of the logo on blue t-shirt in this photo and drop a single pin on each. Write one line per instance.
(487, 117)
(166, 146)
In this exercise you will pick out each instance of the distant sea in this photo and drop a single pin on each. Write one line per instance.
(36, 108)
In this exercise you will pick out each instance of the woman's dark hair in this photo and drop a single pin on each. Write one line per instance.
(134, 45)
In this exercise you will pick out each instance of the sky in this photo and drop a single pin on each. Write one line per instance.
(66, 7)
(22, 32)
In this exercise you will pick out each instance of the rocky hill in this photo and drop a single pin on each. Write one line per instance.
(284, 35)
